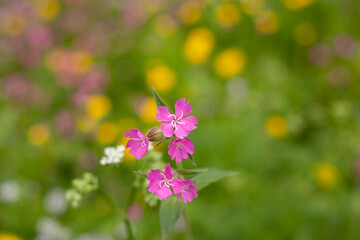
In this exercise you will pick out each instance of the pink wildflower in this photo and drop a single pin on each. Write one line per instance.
(138, 144)
(180, 149)
(189, 192)
(160, 182)
(176, 123)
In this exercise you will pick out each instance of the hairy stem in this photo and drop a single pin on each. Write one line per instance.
(186, 217)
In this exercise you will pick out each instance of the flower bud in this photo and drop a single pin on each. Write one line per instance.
(155, 134)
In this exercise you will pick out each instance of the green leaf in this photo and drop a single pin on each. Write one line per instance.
(159, 101)
(190, 173)
(169, 213)
(191, 159)
(210, 176)
(140, 173)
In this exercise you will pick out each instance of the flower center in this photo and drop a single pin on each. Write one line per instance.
(176, 120)
(165, 182)
(180, 145)
(186, 187)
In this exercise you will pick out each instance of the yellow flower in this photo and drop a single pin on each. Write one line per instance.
(148, 110)
(98, 106)
(8, 236)
(13, 25)
(253, 7)
(82, 61)
(161, 77)
(85, 123)
(189, 12)
(276, 126)
(227, 14)
(38, 134)
(47, 9)
(165, 25)
(107, 133)
(267, 22)
(297, 4)
(305, 34)
(199, 45)
(128, 158)
(326, 175)
(230, 62)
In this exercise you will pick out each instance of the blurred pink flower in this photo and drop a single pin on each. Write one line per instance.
(180, 149)
(176, 123)
(17, 87)
(138, 144)
(344, 45)
(65, 123)
(134, 212)
(319, 55)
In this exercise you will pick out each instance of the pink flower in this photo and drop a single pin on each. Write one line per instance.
(138, 144)
(160, 182)
(180, 149)
(176, 123)
(189, 192)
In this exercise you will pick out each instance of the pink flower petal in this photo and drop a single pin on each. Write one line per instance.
(182, 109)
(168, 172)
(164, 115)
(164, 192)
(167, 129)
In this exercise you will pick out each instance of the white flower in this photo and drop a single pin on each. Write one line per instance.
(151, 146)
(9, 191)
(113, 155)
(55, 201)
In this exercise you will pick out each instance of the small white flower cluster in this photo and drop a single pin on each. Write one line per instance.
(113, 155)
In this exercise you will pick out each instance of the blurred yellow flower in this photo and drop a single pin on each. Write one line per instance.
(253, 7)
(189, 12)
(267, 22)
(199, 45)
(230, 62)
(13, 25)
(227, 14)
(107, 133)
(148, 110)
(297, 4)
(128, 158)
(276, 126)
(38, 134)
(47, 9)
(82, 61)
(305, 34)
(165, 25)
(85, 123)
(161, 77)
(326, 175)
(8, 236)
(98, 106)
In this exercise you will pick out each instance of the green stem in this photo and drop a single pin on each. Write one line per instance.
(185, 214)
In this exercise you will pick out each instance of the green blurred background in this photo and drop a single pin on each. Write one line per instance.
(274, 85)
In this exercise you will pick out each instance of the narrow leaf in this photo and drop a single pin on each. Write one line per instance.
(210, 176)
(191, 159)
(140, 173)
(159, 101)
(190, 173)
(169, 213)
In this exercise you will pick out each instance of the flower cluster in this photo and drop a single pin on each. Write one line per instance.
(161, 184)
(175, 127)
(113, 155)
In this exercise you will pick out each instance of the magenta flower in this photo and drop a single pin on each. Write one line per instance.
(176, 123)
(160, 182)
(189, 192)
(180, 149)
(138, 144)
